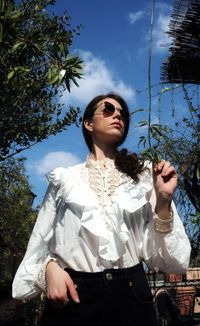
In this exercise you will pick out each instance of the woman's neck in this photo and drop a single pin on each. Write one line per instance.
(100, 154)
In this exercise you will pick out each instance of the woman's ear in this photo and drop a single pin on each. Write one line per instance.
(88, 125)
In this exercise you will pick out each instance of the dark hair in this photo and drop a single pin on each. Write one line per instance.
(128, 163)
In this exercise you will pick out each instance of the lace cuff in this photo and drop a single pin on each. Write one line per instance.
(40, 280)
(164, 226)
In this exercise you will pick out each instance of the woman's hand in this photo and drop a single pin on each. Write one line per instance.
(60, 286)
(165, 182)
(165, 179)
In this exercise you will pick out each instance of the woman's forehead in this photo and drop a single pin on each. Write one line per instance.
(108, 99)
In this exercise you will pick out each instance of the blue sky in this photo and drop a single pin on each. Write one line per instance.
(114, 44)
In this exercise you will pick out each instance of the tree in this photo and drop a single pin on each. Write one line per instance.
(35, 68)
(181, 146)
(181, 67)
(16, 216)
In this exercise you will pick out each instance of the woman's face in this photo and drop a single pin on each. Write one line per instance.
(107, 124)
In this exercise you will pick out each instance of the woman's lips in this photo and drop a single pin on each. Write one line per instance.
(116, 124)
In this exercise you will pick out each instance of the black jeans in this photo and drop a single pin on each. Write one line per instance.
(112, 297)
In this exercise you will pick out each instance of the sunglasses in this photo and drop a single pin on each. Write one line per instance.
(109, 109)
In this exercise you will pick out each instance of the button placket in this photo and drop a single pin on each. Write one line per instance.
(104, 183)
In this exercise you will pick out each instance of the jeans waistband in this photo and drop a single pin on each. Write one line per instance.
(109, 273)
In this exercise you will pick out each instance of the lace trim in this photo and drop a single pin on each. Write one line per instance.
(103, 183)
(40, 280)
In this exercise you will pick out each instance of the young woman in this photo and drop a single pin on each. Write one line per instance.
(99, 221)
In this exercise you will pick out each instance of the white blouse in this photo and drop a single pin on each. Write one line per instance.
(91, 220)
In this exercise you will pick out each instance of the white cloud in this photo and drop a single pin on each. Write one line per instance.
(97, 79)
(135, 16)
(163, 7)
(161, 39)
(55, 159)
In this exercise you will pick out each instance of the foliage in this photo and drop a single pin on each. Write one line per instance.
(29, 313)
(181, 146)
(16, 216)
(36, 67)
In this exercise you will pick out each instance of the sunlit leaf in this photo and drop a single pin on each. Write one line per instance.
(17, 46)
(11, 74)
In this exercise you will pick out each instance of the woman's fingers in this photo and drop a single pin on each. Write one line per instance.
(165, 179)
(169, 173)
(60, 286)
(71, 289)
(165, 168)
(58, 296)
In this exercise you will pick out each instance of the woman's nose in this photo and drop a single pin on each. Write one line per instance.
(117, 114)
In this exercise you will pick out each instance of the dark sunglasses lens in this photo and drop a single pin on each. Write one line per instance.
(109, 108)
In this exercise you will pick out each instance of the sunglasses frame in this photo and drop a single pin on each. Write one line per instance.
(108, 110)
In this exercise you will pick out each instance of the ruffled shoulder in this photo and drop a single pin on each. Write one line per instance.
(57, 175)
(63, 179)
(68, 184)
(59, 178)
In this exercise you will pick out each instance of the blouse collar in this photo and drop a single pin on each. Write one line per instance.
(92, 163)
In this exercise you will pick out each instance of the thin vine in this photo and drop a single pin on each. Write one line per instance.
(149, 73)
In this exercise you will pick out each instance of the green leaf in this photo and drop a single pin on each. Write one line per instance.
(143, 123)
(165, 89)
(142, 139)
(135, 111)
(16, 15)
(53, 76)
(17, 45)
(10, 75)
(2, 5)
(16, 68)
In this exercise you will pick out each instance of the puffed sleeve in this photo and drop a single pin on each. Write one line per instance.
(27, 282)
(166, 252)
